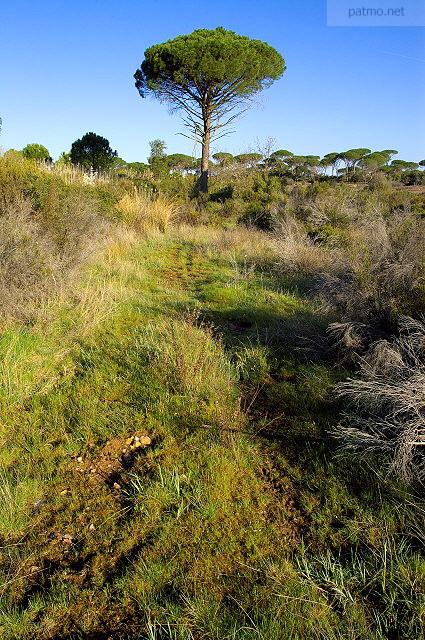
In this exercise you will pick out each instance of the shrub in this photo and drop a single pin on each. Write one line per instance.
(259, 216)
(322, 204)
(386, 406)
(385, 269)
(300, 254)
(47, 229)
(27, 261)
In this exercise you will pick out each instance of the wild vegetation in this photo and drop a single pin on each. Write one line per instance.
(169, 401)
(211, 387)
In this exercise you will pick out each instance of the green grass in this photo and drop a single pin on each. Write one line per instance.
(238, 520)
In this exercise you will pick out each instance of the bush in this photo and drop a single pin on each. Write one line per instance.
(322, 204)
(411, 178)
(385, 268)
(27, 260)
(386, 406)
(300, 254)
(256, 215)
(48, 228)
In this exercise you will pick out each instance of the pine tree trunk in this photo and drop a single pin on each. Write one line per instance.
(203, 180)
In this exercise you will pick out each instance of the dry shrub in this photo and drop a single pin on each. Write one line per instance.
(350, 340)
(77, 230)
(385, 269)
(368, 255)
(48, 229)
(27, 262)
(40, 255)
(144, 213)
(386, 407)
(298, 254)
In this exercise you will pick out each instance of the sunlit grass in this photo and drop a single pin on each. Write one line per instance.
(237, 521)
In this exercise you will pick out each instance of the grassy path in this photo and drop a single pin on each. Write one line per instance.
(161, 472)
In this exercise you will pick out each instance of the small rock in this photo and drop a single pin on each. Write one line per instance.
(79, 459)
(40, 503)
(116, 485)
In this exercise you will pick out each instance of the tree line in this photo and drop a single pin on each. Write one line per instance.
(94, 152)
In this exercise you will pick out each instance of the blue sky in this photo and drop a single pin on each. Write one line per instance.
(67, 68)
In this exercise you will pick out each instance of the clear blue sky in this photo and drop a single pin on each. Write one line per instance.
(67, 68)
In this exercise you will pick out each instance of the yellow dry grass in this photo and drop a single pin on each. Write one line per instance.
(142, 213)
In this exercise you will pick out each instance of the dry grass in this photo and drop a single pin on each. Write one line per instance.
(72, 175)
(248, 243)
(144, 213)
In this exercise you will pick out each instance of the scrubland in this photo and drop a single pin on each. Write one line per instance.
(211, 412)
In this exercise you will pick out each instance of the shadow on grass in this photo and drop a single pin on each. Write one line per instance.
(300, 334)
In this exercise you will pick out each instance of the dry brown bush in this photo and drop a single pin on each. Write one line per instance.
(386, 406)
(298, 254)
(385, 274)
(49, 227)
(323, 205)
(364, 248)
(27, 263)
(77, 230)
(39, 256)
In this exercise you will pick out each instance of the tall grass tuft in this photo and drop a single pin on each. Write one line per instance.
(144, 213)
